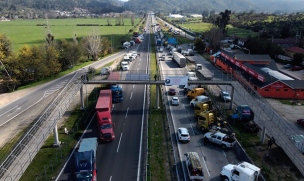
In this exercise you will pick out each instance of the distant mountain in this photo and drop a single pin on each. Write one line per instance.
(197, 6)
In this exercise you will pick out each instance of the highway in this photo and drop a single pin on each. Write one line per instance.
(212, 156)
(122, 159)
(15, 108)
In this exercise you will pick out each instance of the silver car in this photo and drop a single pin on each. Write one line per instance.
(225, 96)
(175, 101)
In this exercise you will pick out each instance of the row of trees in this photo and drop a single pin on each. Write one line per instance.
(38, 62)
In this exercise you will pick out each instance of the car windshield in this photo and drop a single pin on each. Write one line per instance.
(107, 126)
(225, 94)
(82, 175)
(117, 92)
(172, 89)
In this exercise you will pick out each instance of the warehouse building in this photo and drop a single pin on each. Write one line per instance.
(261, 72)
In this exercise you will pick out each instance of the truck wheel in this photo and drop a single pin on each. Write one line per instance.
(224, 147)
(225, 178)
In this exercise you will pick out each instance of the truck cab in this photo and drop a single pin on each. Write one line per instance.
(206, 120)
(117, 93)
(244, 112)
(105, 126)
(191, 76)
(195, 92)
(243, 171)
(85, 160)
(198, 67)
(202, 107)
(124, 65)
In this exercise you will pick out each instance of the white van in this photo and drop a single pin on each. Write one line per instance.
(191, 76)
(105, 70)
(199, 99)
(124, 65)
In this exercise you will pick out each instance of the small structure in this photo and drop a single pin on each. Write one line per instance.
(292, 50)
(175, 16)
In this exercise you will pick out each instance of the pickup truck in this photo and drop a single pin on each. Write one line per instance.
(221, 139)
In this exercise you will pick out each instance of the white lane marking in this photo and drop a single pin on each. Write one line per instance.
(113, 106)
(133, 86)
(9, 110)
(192, 129)
(14, 111)
(110, 178)
(121, 86)
(131, 95)
(119, 142)
(76, 146)
(127, 112)
(206, 167)
(184, 107)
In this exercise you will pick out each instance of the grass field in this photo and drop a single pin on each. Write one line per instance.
(197, 27)
(23, 32)
(242, 33)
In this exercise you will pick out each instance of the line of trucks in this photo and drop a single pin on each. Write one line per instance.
(217, 131)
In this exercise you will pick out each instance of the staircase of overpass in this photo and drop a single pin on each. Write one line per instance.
(15, 163)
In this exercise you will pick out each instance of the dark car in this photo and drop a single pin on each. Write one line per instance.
(288, 66)
(301, 122)
(172, 91)
(296, 68)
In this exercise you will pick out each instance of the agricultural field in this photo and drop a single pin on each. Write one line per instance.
(23, 32)
(197, 27)
(240, 32)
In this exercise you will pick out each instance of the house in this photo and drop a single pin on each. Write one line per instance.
(262, 74)
(196, 16)
(292, 50)
(242, 41)
(175, 16)
(284, 43)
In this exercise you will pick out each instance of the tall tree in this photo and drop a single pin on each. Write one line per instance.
(123, 19)
(132, 19)
(214, 36)
(223, 20)
(93, 45)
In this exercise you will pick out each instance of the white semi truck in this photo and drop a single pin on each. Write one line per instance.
(194, 166)
(179, 59)
(243, 171)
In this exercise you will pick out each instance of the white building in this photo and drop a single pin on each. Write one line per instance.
(175, 16)
(196, 16)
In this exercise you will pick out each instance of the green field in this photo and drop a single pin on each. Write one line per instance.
(23, 32)
(197, 27)
(242, 33)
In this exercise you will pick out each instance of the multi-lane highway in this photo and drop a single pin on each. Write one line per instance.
(122, 159)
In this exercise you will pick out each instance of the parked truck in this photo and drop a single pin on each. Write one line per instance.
(179, 59)
(194, 166)
(206, 73)
(245, 118)
(85, 160)
(222, 139)
(243, 171)
(103, 116)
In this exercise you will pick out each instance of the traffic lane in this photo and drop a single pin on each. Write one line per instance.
(67, 173)
(127, 160)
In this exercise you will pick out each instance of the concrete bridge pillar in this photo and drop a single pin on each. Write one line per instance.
(56, 142)
(157, 96)
(81, 98)
(232, 97)
(263, 134)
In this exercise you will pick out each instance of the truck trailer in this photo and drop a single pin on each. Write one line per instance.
(179, 59)
(194, 166)
(103, 115)
(85, 160)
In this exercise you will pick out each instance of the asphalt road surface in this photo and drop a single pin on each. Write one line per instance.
(122, 159)
(212, 156)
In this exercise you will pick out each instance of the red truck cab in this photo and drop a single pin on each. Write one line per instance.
(103, 114)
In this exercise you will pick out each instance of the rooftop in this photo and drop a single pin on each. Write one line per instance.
(295, 49)
(252, 57)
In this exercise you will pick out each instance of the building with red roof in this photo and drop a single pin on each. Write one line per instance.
(292, 50)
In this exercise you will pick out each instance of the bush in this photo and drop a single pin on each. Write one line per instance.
(92, 70)
(131, 30)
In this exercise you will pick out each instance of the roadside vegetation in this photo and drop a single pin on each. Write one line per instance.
(159, 158)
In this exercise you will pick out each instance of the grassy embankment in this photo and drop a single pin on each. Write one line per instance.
(160, 164)
(67, 27)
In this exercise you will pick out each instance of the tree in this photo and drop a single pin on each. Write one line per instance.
(132, 19)
(51, 60)
(214, 36)
(222, 21)
(108, 20)
(257, 46)
(123, 19)
(93, 45)
(105, 45)
(200, 45)
(297, 59)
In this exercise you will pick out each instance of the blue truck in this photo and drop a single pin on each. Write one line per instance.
(85, 160)
(117, 92)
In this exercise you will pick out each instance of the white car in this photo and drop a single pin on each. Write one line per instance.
(225, 96)
(175, 101)
(183, 134)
